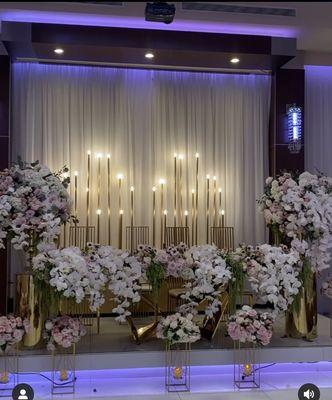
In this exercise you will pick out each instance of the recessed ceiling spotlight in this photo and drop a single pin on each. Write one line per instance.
(58, 51)
(149, 55)
(235, 60)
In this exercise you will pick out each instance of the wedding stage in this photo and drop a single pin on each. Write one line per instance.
(114, 349)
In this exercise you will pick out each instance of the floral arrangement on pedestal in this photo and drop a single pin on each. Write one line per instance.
(273, 273)
(327, 288)
(299, 210)
(63, 331)
(12, 330)
(207, 276)
(34, 203)
(177, 328)
(249, 326)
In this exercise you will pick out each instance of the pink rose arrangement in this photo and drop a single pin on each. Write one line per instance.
(63, 331)
(12, 330)
(249, 326)
(173, 258)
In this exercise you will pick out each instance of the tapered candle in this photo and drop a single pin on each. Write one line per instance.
(175, 188)
(154, 216)
(75, 206)
(99, 156)
(120, 228)
(220, 194)
(98, 225)
(120, 177)
(222, 218)
(186, 213)
(180, 184)
(131, 217)
(196, 205)
(109, 199)
(214, 201)
(165, 221)
(193, 214)
(88, 196)
(162, 183)
(207, 207)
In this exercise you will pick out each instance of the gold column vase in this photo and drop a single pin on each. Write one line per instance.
(301, 320)
(29, 305)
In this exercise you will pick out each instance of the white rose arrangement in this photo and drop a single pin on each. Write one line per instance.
(176, 328)
(327, 288)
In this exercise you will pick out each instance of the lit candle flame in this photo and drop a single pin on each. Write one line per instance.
(207, 176)
(132, 188)
(99, 155)
(220, 190)
(89, 152)
(197, 155)
(121, 212)
(193, 191)
(108, 155)
(153, 188)
(222, 212)
(120, 176)
(186, 213)
(162, 181)
(165, 212)
(76, 173)
(214, 178)
(98, 211)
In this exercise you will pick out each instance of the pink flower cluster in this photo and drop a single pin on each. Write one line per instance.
(12, 330)
(33, 201)
(249, 326)
(173, 258)
(63, 331)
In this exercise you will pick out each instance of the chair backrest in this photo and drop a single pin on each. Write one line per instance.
(177, 234)
(80, 235)
(136, 235)
(223, 237)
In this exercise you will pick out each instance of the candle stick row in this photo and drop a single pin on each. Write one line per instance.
(217, 217)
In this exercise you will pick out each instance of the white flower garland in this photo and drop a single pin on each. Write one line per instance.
(178, 329)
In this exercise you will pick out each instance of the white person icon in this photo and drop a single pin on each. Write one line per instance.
(23, 391)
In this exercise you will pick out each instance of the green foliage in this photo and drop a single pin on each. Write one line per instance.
(236, 284)
(156, 276)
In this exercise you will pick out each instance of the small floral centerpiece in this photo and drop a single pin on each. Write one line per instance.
(63, 331)
(178, 329)
(273, 273)
(34, 203)
(327, 288)
(249, 326)
(179, 332)
(12, 330)
(207, 276)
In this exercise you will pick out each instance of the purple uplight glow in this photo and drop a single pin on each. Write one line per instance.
(140, 23)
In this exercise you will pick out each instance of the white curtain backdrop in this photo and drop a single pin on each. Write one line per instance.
(143, 117)
(318, 119)
(318, 134)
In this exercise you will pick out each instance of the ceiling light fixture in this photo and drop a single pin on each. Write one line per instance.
(235, 60)
(149, 55)
(58, 51)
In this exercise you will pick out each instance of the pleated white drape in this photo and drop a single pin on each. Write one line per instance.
(318, 135)
(318, 119)
(143, 117)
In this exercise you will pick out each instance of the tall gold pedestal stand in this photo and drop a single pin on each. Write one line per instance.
(29, 305)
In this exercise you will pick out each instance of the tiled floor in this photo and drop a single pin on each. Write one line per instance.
(280, 382)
